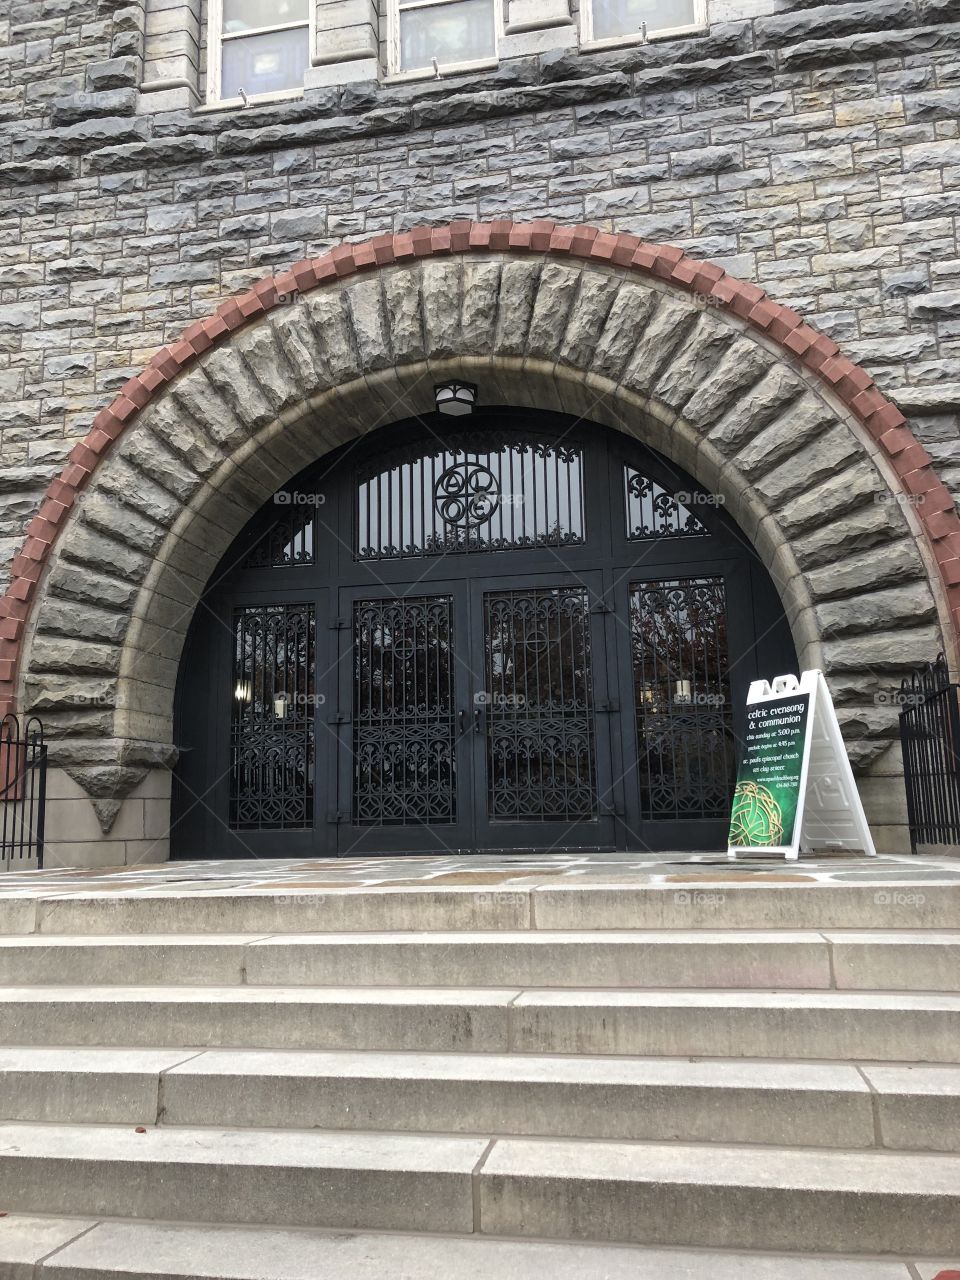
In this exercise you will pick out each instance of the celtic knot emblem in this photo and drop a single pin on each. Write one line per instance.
(466, 494)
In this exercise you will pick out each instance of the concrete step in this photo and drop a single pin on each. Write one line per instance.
(728, 898)
(685, 1195)
(281, 1178)
(608, 1098)
(259, 1017)
(763, 1102)
(736, 959)
(843, 1026)
(79, 1086)
(84, 1249)
(612, 958)
(722, 1197)
(907, 960)
(822, 1104)
(909, 1107)
(166, 959)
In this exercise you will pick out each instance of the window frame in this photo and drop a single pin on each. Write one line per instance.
(216, 36)
(587, 38)
(395, 71)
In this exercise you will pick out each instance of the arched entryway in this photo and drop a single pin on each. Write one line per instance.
(521, 631)
(814, 466)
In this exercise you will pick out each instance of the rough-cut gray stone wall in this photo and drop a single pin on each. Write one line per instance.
(813, 149)
(816, 151)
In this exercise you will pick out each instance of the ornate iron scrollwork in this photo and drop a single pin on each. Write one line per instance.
(289, 540)
(685, 743)
(654, 513)
(541, 757)
(404, 738)
(272, 730)
(471, 492)
(466, 494)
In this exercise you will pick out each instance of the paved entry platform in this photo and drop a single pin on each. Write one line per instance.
(516, 870)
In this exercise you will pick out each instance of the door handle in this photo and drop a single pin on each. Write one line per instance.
(461, 722)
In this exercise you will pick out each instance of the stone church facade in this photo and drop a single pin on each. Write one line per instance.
(730, 235)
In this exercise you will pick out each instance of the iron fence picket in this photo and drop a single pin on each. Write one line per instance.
(930, 739)
(23, 793)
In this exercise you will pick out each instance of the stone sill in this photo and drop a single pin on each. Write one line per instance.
(253, 100)
(446, 69)
(629, 39)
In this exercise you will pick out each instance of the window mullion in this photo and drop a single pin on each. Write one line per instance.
(264, 31)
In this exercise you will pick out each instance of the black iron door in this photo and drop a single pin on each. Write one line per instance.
(531, 633)
(678, 741)
(403, 769)
(469, 720)
(272, 731)
(542, 765)
(688, 650)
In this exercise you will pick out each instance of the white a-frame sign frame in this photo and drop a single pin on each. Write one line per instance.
(795, 787)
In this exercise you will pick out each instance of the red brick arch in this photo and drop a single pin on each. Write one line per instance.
(850, 383)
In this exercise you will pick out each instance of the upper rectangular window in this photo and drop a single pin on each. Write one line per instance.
(617, 19)
(452, 32)
(258, 46)
(475, 494)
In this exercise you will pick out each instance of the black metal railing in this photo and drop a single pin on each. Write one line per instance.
(930, 737)
(23, 792)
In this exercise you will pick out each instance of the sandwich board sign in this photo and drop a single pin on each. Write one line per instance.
(795, 787)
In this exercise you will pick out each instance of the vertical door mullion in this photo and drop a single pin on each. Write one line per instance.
(325, 730)
(481, 771)
(627, 717)
(468, 756)
(339, 813)
(608, 686)
(223, 693)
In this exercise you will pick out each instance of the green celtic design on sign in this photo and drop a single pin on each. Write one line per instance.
(756, 821)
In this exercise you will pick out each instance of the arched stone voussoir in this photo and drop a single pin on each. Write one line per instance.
(557, 288)
(729, 392)
(225, 392)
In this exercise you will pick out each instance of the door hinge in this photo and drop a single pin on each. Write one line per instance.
(601, 606)
(338, 624)
(608, 704)
(339, 717)
(336, 817)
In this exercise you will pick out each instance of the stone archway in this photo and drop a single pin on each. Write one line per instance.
(811, 461)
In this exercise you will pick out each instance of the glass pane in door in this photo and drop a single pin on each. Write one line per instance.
(540, 737)
(404, 718)
(685, 743)
(272, 726)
